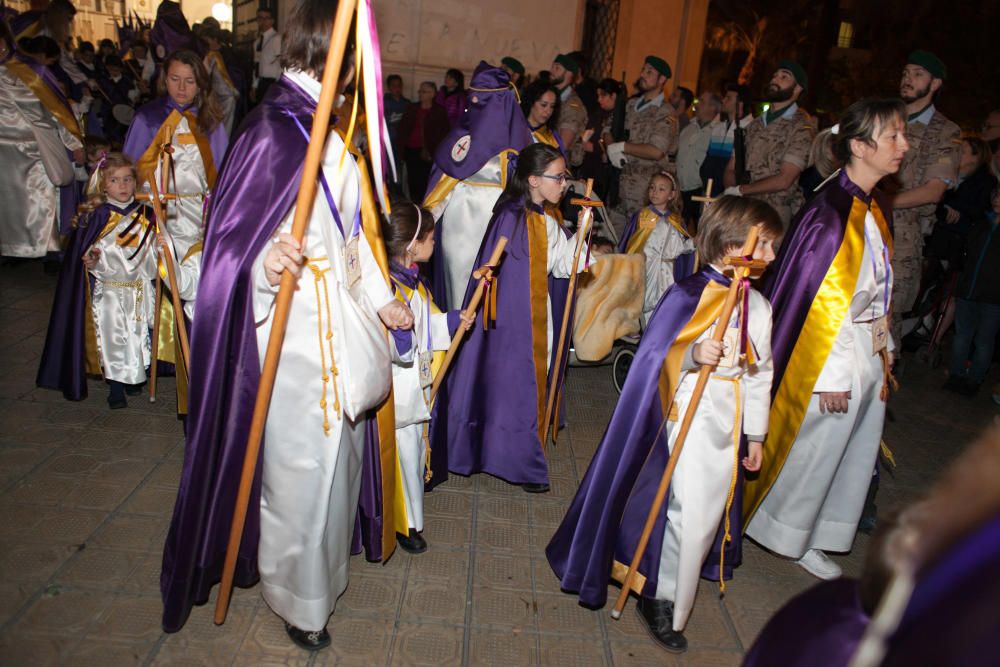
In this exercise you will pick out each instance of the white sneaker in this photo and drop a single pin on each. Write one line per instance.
(819, 565)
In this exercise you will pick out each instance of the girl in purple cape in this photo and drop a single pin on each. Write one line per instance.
(489, 411)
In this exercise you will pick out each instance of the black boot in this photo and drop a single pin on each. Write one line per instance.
(133, 389)
(658, 617)
(535, 488)
(414, 543)
(116, 395)
(308, 640)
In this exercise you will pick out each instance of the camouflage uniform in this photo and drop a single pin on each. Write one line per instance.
(653, 123)
(572, 116)
(786, 139)
(935, 144)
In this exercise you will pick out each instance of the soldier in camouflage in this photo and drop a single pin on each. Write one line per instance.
(928, 170)
(572, 114)
(651, 131)
(777, 145)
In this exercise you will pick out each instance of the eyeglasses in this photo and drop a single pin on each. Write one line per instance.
(552, 177)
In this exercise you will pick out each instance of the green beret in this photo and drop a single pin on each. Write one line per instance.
(568, 61)
(659, 64)
(800, 75)
(929, 62)
(514, 64)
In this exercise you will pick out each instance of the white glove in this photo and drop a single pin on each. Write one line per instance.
(616, 154)
(733, 190)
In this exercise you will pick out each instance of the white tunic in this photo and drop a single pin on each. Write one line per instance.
(430, 332)
(817, 499)
(708, 463)
(33, 153)
(225, 93)
(311, 479)
(121, 302)
(663, 246)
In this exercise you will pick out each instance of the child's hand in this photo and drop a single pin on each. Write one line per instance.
(90, 258)
(162, 244)
(468, 319)
(754, 457)
(708, 352)
(395, 315)
(284, 254)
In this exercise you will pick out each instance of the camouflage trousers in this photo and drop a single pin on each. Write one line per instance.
(907, 264)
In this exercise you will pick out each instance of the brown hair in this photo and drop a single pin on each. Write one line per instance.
(727, 222)
(111, 162)
(674, 204)
(861, 119)
(209, 111)
(401, 227)
(306, 39)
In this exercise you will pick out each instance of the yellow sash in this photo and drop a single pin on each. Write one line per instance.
(815, 340)
(443, 187)
(538, 281)
(215, 58)
(48, 97)
(147, 163)
(544, 135)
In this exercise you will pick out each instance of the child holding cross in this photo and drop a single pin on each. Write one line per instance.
(598, 536)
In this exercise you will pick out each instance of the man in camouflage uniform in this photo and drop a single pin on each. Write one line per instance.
(777, 145)
(651, 129)
(929, 168)
(572, 114)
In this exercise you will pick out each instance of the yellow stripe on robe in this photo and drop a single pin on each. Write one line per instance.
(544, 135)
(812, 348)
(644, 226)
(147, 163)
(48, 97)
(538, 273)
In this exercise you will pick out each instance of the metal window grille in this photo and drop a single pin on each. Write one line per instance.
(600, 27)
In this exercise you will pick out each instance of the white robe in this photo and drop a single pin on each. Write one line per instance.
(709, 461)
(122, 304)
(190, 183)
(225, 93)
(33, 152)
(464, 215)
(817, 499)
(311, 480)
(559, 262)
(663, 246)
(412, 406)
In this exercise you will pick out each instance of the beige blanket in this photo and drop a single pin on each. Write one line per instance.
(609, 304)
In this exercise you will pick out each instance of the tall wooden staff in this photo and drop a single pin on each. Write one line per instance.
(484, 275)
(588, 215)
(175, 295)
(155, 352)
(741, 269)
(283, 302)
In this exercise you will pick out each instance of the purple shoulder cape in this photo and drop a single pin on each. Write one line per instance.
(63, 355)
(606, 516)
(485, 417)
(148, 119)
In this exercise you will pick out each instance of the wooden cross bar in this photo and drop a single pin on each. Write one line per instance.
(707, 198)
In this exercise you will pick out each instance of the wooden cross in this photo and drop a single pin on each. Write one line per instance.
(755, 266)
(707, 198)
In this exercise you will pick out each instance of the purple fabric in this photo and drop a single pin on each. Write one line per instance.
(63, 355)
(628, 232)
(150, 116)
(46, 74)
(248, 207)
(171, 32)
(454, 104)
(821, 626)
(494, 121)
(368, 524)
(610, 507)
(683, 266)
(806, 254)
(479, 424)
(24, 20)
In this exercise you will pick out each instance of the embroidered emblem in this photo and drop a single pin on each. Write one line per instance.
(461, 148)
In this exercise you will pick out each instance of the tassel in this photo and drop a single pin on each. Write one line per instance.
(887, 453)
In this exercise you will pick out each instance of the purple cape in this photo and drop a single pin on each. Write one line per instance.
(950, 619)
(806, 254)
(683, 265)
(485, 416)
(249, 205)
(63, 356)
(607, 515)
(148, 119)
(21, 22)
(171, 32)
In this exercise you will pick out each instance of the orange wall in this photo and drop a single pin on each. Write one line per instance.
(671, 29)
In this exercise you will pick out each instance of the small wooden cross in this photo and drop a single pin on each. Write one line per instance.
(707, 198)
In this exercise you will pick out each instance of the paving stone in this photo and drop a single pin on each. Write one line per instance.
(502, 648)
(428, 645)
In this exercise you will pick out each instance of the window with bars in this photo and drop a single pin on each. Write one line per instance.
(600, 27)
(845, 38)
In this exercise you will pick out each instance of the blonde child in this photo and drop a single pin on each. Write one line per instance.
(409, 240)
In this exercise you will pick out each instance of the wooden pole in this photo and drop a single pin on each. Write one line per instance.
(283, 302)
(155, 351)
(557, 363)
(484, 274)
(699, 388)
(175, 296)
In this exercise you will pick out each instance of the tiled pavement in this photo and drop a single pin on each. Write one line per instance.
(86, 496)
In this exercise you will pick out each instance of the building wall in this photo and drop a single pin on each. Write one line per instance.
(671, 29)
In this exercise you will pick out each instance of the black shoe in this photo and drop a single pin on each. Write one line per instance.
(133, 389)
(535, 488)
(308, 640)
(658, 617)
(414, 543)
(117, 403)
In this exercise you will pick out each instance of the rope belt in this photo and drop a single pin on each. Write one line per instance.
(331, 373)
(136, 285)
